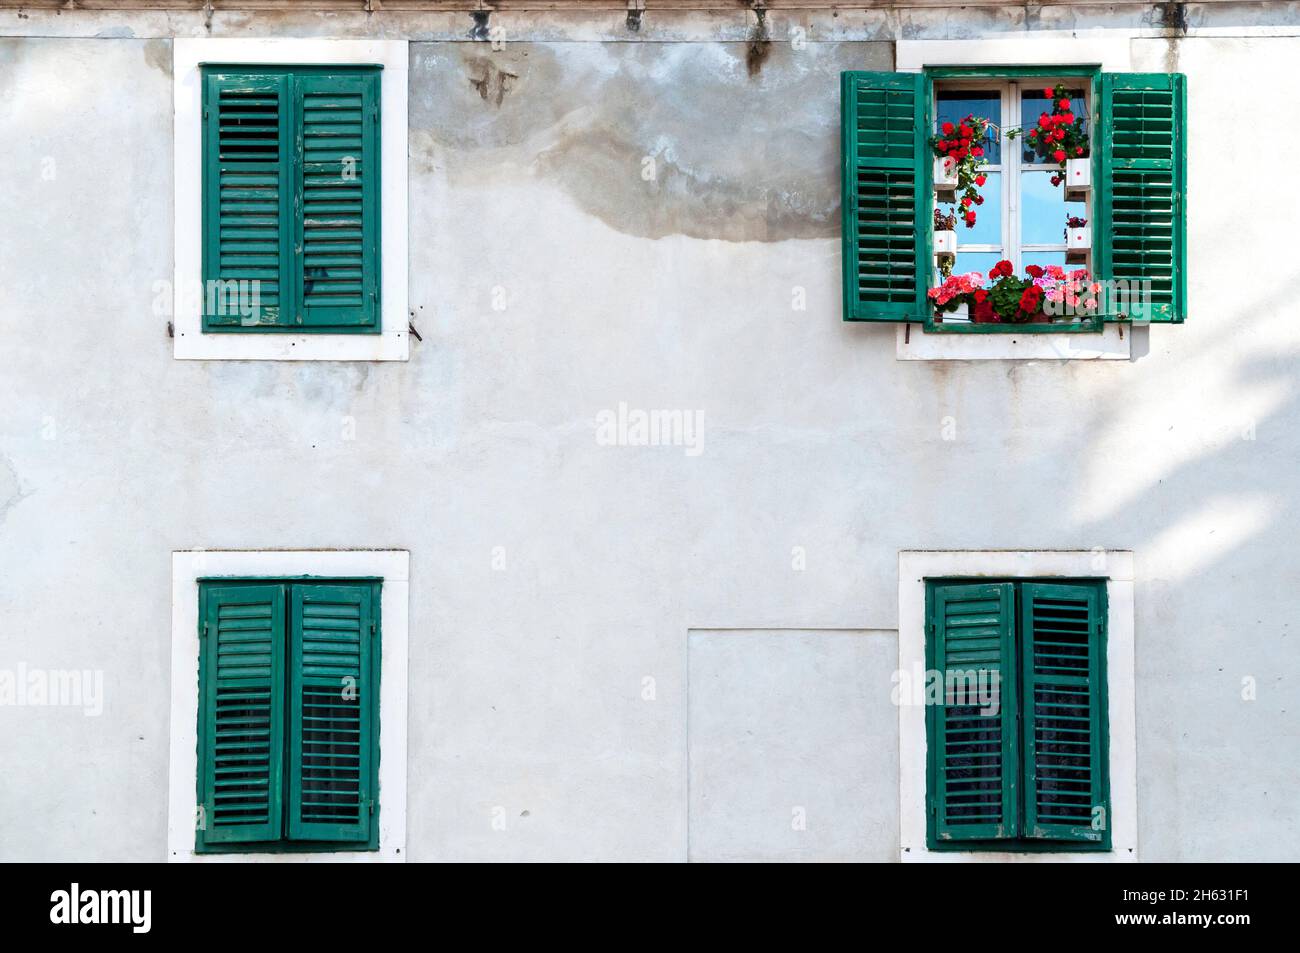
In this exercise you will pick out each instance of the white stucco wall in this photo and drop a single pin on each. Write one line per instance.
(551, 575)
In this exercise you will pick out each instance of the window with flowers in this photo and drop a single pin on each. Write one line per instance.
(1014, 199)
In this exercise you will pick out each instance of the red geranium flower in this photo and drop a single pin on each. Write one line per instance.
(981, 179)
(1047, 91)
(1033, 271)
(1064, 104)
(1059, 155)
(948, 128)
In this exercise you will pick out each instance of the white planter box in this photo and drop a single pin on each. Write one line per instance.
(961, 315)
(1078, 179)
(945, 243)
(1078, 242)
(945, 175)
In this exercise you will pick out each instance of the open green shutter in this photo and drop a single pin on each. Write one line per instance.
(1064, 718)
(247, 200)
(1144, 188)
(241, 724)
(332, 706)
(886, 231)
(337, 244)
(972, 743)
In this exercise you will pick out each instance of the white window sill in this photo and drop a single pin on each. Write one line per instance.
(1112, 343)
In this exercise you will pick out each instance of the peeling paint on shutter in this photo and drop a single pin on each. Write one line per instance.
(247, 199)
(1064, 712)
(332, 695)
(973, 756)
(338, 182)
(241, 728)
(886, 236)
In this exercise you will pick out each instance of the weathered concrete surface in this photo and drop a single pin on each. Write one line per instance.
(676, 293)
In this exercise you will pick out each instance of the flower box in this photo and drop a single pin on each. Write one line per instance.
(1077, 179)
(945, 243)
(945, 176)
(1078, 242)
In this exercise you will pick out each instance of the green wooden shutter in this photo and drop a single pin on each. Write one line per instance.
(886, 172)
(973, 747)
(247, 200)
(333, 695)
(1144, 187)
(1065, 750)
(338, 186)
(241, 724)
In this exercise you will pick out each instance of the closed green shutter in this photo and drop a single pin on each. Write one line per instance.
(1065, 753)
(241, 728)
(291, 200)
(974, 780)
(885, 174)
(338, 184)
(1144, 188)
(333, 691)
(247, 200)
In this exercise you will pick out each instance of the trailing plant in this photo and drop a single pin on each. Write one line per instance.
(1059, 135)
(1074, 221)
(960, 143)
(944, 223)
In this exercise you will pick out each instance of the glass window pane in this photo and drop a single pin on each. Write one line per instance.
(1043, 210)
(981, 261)
(987, 229)
(955, 105)
(1045, 258)
(1033, 104)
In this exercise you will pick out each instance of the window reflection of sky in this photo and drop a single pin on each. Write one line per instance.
(1042, 211)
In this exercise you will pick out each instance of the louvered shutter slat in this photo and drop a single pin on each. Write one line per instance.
(331, 702)
(973, 773)
(338, 186)
(883, 132)
(247, 200)
(1143, 151)
(1064, 712)
(242, 730)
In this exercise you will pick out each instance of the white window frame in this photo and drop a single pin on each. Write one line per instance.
(1013, 167)
(393, 567)
(393, 341)
(1049, 50)
(1116, 566)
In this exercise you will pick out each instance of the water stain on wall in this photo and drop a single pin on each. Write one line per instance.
(654, 140)
(158, 54)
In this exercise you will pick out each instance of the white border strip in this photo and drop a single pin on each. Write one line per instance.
(393, 342)
(913, 569)
(393, 566)
(1111, 53)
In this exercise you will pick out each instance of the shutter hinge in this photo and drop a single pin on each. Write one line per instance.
(205, 630)
(372, 627)
(372, 805)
